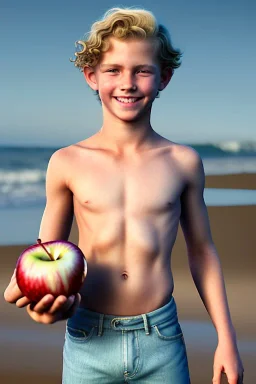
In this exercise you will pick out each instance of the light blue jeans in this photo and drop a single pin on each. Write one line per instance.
(106, 349)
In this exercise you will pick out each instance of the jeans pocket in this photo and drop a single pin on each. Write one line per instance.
(80, 335)
(168, 331)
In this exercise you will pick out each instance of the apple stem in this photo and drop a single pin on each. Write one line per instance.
(48, 253)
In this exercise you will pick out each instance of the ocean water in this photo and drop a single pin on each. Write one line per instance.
(22, 184)
(23, 170)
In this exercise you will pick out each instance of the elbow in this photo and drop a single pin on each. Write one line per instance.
(200, 253)
(201, 248)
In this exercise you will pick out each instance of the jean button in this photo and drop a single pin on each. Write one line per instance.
(115, 322)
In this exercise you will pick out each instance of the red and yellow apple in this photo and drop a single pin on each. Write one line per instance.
(55, 267)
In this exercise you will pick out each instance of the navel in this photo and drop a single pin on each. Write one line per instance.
(124, 275)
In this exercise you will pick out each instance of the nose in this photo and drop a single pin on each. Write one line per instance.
(127, 82)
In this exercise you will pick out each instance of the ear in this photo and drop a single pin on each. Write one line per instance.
(166, 75)
(90, 77)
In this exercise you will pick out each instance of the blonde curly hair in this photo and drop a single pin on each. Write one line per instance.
(123, 23)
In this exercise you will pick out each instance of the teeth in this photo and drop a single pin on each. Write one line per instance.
(125, 100)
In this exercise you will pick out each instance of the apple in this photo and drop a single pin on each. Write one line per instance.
(55, 267)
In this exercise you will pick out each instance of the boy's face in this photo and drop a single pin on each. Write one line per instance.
(129, 68)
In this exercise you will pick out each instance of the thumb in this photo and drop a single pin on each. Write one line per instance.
(77, 300)
(74, 306)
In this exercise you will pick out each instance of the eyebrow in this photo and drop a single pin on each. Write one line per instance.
(152, 67)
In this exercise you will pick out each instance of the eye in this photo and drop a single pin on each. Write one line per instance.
(112, 70)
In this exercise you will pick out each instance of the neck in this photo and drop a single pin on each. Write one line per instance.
(126, 137)
(123, 139)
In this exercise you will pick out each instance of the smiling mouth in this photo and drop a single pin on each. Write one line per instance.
(128, 100)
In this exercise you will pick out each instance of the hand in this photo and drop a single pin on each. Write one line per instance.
(228, 361)
(12, 293)
(48, 310)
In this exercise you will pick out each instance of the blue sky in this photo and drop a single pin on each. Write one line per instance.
(45, 100)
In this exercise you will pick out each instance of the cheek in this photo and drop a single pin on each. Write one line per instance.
(107, 85)
(106, 88)
(149, 86)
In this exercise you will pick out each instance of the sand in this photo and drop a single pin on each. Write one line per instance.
(32, 353)
(241, 181)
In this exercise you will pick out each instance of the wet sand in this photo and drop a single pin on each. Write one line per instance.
(242, 181)
(32, 353)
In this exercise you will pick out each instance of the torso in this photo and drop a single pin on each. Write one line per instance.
(127, 211)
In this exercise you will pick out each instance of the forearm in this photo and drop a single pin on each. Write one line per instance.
(208, 277)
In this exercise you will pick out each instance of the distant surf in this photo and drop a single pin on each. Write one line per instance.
(23, 169)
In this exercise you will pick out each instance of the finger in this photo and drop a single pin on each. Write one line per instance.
(66, 306)
(22, 302)
(47, 318)
(61, 304)
(38, 317)
(74, 306)
(67, 309)
(43, 305)
(217, 376)
(232, 378)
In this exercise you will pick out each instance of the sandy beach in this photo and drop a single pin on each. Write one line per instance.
(32, 353)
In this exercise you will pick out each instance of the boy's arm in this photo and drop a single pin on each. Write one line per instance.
(55, 225)
(206, 269)
(57, 218)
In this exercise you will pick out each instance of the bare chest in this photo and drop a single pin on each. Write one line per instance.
(148, 184)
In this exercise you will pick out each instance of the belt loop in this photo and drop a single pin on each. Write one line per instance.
(101, 324)
(145, 324)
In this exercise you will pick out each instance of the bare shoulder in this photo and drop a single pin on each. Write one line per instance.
(58, 169)
(188, 160)
(80, 146)
(60, 158)
(185, 154)
(65, 160)
(70, 154)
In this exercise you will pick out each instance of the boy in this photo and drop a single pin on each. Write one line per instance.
(129, 188)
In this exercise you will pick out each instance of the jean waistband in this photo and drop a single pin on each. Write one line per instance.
(85, 316)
